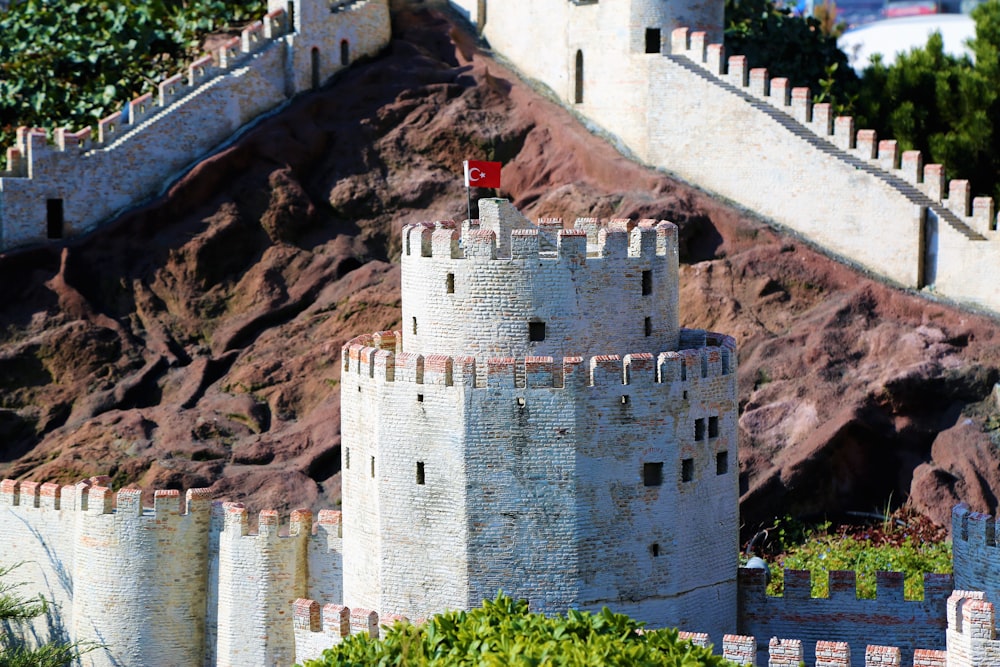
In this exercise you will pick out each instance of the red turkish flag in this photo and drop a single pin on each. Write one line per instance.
(479, 174)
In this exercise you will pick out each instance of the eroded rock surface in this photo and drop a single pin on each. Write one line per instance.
(196, 341)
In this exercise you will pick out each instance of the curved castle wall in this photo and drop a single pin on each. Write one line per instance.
(570, 479)
(182, 582)
(547, 295)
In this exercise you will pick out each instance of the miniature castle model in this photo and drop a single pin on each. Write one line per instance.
(542, 425)
(653, 74)
(548, 426)
(53, 191)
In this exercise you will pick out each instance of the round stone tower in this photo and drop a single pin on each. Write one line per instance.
(541, 425)
(652, 20)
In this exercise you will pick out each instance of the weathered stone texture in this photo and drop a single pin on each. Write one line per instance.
(576, 466)
(842, 617)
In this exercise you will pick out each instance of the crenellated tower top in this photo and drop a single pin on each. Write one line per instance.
(501, 286)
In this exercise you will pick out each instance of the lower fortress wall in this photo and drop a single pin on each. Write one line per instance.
(184, 582)
(888, 620)
(187, 582)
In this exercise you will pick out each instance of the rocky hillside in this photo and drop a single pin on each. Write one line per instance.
(195, 341)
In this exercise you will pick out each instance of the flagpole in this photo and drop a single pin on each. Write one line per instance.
(468, 189)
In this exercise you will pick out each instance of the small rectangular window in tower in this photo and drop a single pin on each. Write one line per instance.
(420, 398)
(652, 40)
(699, 429)
(520, 401)
(647, 283)
(648, 325)
(414, 326)
(721, 463)
(654, 549)
(347, 458)
(687, 470)
(652, 474)
(54, 218)
(713, 427)
(536, 331)
(373, 466)
(420, 472)
(449, 283)
(625, 399)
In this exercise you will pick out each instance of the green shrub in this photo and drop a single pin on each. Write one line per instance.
(72, 63)
(503, 633)
(14, 610)
(820, 552)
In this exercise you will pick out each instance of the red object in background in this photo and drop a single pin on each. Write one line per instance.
(895, 10)
(480, 174)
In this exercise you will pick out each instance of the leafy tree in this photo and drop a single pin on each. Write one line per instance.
(948, 107)
(503, 633)
(15, 610)
(71, 63)
(801, 48)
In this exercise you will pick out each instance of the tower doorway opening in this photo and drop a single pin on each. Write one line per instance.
(314, 55)
(54, 218)
(652, 40)
(345, 53)
(578, 93)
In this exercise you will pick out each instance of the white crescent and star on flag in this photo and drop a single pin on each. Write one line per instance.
(482, 174)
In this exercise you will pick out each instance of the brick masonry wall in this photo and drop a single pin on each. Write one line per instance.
(457, 304)
(572, 481)
(686, 122)
(975, 552)
(96, 180)
(179, 583)
(889, 619)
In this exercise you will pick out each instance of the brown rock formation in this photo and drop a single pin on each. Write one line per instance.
(196, 341)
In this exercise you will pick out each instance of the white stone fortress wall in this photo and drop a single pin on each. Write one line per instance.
(549, 430)
(68, 187)
(655, 76)
(182, 582)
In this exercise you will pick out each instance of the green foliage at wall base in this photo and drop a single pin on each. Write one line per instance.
(503, 633)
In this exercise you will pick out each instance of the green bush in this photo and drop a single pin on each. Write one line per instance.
(945, 106)
(15, 610)
(503, 633)
(820, 552)
(803, 49)
(72, 63)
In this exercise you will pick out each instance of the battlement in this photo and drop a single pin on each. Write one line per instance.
(974, 552)
(32, 144)
(236, 523)
(378, 356)
(979, 213)
(972, 632)
(69, 186)
(842, 585)
(91, 497)
(319, 627)
(842, 615)
(550, 241)
(793, 652)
